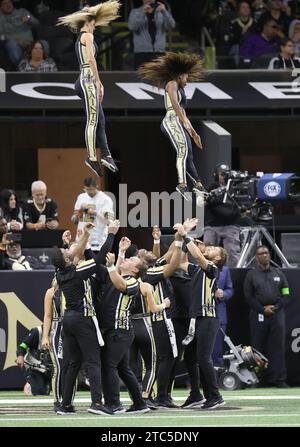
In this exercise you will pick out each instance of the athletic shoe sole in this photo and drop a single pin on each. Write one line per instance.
(99, 174)
(91, 410)
(144, 410)
(194, 404)
(120, 411)
(62, 413)
(109, 165)
(164, 407)
(217, 405)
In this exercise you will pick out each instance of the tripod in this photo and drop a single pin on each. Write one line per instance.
(253, 239)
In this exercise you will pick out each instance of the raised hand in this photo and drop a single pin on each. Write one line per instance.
(156, 233)
(88, 228)
(113, 226)
(189, 224)
(110, 259)
(124, 244)
(67, 237)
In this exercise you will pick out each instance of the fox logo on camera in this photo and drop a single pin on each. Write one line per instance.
(274, 186)
(272, 189)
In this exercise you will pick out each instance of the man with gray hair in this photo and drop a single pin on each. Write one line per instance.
(40, 212)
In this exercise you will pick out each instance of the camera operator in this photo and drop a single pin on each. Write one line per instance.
(222, 219)
(35, 362)
(149, 25)
(267, 292)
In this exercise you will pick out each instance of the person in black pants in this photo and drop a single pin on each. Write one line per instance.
(203, 308)
(267, 291)
(88, 86)
(82, 337)
(157, 275)
(116, 325)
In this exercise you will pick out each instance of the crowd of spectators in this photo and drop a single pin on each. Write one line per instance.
(247, 33)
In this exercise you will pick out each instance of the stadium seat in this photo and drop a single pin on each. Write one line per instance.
(42, 254)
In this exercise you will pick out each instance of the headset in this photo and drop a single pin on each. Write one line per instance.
(220, 168)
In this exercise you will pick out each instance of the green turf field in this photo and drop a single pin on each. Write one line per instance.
(267, 407)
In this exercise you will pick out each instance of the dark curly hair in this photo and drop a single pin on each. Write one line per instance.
(168, 67)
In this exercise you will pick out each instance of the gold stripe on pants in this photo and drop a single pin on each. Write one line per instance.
(175, 131)
(91, 100)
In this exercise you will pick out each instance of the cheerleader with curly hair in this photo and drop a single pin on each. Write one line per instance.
(89, 86)
(172, 72)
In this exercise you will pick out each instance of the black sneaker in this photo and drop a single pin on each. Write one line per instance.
(165, 403)
(56, 407)
(109, 162)
(100, 409)
(66, 410)
(118, 409)
(184, 191)
(192, 402)
(95, 166)
(151, 404)
(213, 403)
(138, 409)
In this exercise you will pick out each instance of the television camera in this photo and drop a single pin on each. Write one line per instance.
(255, 194)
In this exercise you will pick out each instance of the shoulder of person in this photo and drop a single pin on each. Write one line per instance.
(88, 37)
(82, 195)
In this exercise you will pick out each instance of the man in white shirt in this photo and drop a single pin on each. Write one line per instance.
(93, 206)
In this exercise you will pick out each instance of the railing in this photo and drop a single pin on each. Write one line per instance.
(209, 50)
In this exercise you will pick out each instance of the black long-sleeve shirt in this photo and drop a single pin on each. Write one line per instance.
(265, 288)
(32, 341)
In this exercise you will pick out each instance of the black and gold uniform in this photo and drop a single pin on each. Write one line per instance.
(203, 308)
(85, 87)
(163, 329)
(116, 325)
(143, 343)
(56, 349)
(82, 337)
(173, 128)
(181, 314)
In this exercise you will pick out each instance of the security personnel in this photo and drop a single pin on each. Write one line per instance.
(266, 291)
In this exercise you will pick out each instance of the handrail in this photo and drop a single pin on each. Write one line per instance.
(205, 34)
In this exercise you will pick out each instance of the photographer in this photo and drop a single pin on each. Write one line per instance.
(222, 219)
(267, 292)
(35, 363)
(149, 25)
